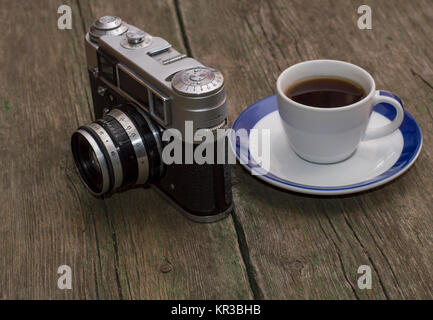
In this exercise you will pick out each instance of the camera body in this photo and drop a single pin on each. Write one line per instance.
(142, 87)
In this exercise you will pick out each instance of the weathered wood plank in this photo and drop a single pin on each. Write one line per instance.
(311, 247)
(120, 247)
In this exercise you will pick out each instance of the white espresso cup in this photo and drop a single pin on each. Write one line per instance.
(329, 135)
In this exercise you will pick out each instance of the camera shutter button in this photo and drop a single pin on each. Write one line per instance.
(135, 37)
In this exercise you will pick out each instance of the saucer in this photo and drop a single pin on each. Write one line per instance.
(374, 163)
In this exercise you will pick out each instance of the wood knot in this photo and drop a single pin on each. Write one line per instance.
(166, 268)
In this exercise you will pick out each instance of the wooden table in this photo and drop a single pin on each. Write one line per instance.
(276, 245)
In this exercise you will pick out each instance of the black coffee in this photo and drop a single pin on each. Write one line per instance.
(325, 92)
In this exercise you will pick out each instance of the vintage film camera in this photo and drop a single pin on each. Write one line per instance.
(141, 87)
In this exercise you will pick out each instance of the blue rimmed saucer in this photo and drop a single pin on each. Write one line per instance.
(375, 162)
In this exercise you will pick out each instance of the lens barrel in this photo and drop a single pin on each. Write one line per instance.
(120, 150)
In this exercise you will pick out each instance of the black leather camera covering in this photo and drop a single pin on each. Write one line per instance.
(202, 190)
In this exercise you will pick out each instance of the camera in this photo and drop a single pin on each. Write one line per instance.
(141, 87)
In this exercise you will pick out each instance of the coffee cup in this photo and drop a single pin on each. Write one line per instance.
(330, 135)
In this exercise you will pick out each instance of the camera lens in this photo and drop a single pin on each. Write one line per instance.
(89, 161)
(91, 166)
(120, 150)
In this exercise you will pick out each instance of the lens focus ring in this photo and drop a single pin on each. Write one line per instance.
(111, 151)
(137, 144)
(98, 182)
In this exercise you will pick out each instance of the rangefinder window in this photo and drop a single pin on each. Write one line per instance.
(132, 87)
(107, 67)
(158, 107)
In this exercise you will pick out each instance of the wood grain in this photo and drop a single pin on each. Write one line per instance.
(130, 246)
(303, 247)
(277, 244)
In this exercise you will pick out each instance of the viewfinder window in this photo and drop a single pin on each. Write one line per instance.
(107, 67)
(134, 88)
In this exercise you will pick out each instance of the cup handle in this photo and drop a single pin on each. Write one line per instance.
(389, 98)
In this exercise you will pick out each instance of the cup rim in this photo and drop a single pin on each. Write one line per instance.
(304, 106)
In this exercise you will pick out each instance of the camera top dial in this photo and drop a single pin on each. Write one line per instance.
(197, 81)
(107, 25)
(136, 39)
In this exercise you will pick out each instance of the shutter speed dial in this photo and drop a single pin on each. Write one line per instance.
(197, 81)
